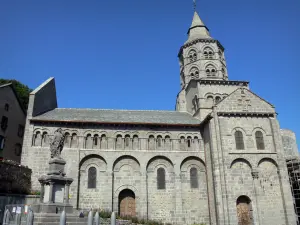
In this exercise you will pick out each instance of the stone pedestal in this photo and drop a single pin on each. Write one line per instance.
(54, 189)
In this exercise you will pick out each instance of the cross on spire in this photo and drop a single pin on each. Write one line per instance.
(195, 5)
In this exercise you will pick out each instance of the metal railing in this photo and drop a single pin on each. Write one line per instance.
(23, 215)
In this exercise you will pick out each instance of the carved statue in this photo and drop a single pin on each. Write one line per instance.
(57, 143)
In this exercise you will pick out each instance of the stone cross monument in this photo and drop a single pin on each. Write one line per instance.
(55, 186)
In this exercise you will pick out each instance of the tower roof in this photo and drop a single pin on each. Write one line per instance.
(198, 29)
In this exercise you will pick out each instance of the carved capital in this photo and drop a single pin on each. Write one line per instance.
(254, 174)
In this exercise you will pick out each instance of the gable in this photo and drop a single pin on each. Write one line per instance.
(244, 101)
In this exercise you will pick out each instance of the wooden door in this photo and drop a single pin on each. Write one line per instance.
(127, 203)
(244, 211)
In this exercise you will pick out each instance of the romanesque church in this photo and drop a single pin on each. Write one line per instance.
(218, 158)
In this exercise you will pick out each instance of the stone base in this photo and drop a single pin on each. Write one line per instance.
(55, 208)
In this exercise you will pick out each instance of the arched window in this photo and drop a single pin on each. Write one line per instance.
(208, 53)
(67, 140)
(189, 142)
(96, 141)
(74, 141)
(196, 143)
(192, 56)
(167, 142)
(103, 144)
(92, 177)
(18, 149)
(182, 143)
(218, 99)
(210, 99)
(119, 144)
(223, 73)
(151, 144)
(239, 140)
(37, 139)
(210, 70)
(127, 141)
(6, 107)
(194, 177)
(259, 137)
(159, 142)
(135, 142)
(161, 178)
(194, 73)
(88, 141)
(45, 139)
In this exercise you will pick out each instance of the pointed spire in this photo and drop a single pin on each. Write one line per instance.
(198, 29)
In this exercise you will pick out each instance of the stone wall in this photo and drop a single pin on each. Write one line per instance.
(289, 143)
(127, 168)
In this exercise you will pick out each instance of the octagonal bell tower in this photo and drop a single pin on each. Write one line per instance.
(201, 56)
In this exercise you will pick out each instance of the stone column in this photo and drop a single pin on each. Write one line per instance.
(51, 192)
(42, 192)
(66, 199)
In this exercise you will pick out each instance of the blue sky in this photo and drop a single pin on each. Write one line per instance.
(123, 54)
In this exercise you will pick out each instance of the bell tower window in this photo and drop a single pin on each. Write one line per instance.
(192, 55)
(208, 53)
(210, 70)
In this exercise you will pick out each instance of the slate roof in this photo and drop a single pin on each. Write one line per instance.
(118, 116)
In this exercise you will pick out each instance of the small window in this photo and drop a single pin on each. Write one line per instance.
(193, 56)
(161, 179)
(127, 140)
(92, 177)
(20, 131)
(2, 142)
(218, 99)
(18, 149)
(194, 178)
(6, 107)
(208, 53)
(239, 140)
(259, 140)
(4, 123)
(159, 141)
(189, 142)
(96, 137)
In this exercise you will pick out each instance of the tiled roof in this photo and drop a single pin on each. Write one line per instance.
(118, 116)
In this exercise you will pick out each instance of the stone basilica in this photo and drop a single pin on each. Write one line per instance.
(219, 158)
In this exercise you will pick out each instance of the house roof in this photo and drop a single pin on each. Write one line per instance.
(15, 93)
(118, 116)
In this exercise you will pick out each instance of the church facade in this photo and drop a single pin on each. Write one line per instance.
(218, 158)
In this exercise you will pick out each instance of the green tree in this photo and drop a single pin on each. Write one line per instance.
(22, 91)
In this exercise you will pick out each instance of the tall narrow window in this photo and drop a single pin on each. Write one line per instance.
(159, 141)
(92, 177)
(103, 142)
(161, 178)
(45, 139)
(88, 141)
(239, 140)
(189, 142)
(74, 141)
(194, 177)
(6, 107)
(127, 141)
(21, 130)
(4, 123)
(37, 139)
(18, 149)
(67, 140)
(96, 141)
(2, 141)
(259, 140)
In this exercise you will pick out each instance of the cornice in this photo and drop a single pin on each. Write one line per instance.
(224, 82)
(200, 40)
(95, 123)
(246, 114)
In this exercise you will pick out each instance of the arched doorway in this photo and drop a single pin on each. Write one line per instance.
(127, 203)
(244, 210)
